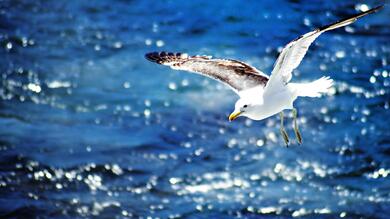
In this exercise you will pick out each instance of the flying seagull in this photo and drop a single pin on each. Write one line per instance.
(261, 96)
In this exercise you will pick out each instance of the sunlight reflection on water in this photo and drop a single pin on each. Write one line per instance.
(89, 128)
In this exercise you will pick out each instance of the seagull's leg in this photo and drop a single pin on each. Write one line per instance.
(296, 129)
(282, 130)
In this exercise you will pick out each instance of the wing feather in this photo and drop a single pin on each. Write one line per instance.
(238, 75)
(293, 53)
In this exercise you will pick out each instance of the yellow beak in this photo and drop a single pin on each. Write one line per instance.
(234, 115)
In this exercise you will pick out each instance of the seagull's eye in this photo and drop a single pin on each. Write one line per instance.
(245, 106)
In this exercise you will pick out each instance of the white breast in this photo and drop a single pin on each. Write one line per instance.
(272, 104)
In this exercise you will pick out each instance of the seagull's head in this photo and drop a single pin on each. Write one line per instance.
(243, 107)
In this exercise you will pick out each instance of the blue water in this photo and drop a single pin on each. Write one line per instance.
(89, 128)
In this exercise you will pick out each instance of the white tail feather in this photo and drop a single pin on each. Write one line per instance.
(315, 88)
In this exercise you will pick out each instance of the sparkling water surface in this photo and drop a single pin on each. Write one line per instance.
(89, 128)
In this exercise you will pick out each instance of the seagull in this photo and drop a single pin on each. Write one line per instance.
(260, 95)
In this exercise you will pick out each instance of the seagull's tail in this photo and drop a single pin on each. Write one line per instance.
(315, 88)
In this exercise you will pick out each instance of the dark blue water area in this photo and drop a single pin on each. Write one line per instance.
(90, 128)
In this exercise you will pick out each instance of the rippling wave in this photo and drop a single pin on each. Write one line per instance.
(89, 128)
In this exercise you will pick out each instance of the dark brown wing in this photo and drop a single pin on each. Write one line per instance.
(238, 75)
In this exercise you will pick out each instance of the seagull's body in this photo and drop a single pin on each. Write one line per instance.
(261, 96)
(270, 104)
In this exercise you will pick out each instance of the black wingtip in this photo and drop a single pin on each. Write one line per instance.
(152, 56)
(351, 18)
(377, 8)
(372, 10)
(160, 57)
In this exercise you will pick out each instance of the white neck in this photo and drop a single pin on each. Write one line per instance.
(254, 94)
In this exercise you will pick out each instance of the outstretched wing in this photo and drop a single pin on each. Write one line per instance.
(238, 75)
(293, 53)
